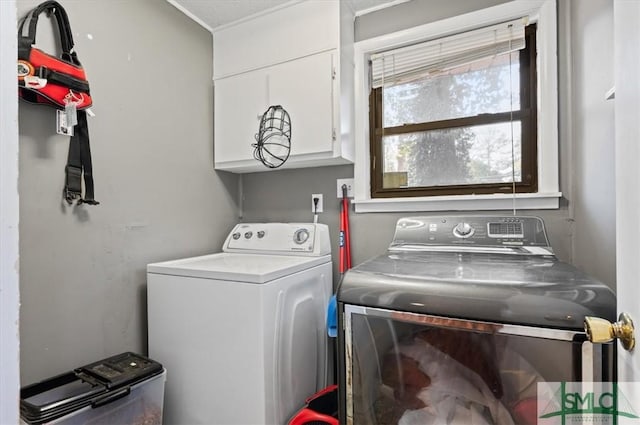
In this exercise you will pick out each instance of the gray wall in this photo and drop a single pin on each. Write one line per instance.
(82, 269)
(414, 13)
(286, 196)
(585, 216)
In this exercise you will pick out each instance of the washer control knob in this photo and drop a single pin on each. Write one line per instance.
(463, 230)
(260, 234)
(236, 236)
(300, 236)
(247, 235)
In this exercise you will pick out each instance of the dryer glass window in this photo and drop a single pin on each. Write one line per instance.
(409, 373)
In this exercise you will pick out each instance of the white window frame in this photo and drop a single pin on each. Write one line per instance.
(541, 12)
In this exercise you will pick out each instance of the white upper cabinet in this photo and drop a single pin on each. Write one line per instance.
(304, 87)
(299, 57)
(239, 103)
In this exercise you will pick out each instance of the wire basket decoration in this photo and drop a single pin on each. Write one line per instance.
(273, 141)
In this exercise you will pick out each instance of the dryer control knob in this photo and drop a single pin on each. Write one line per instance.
(463, 230)
(236, 236)
(260, 234)
(247, 235)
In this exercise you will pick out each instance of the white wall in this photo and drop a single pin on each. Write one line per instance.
(82, 269)
(592, 173)
(9, 297)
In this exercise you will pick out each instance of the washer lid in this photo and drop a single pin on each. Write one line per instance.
(249, 268)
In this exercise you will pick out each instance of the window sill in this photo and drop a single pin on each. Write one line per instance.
(521, 201)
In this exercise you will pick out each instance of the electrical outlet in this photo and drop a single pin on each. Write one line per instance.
(317, 209)
(349, 183)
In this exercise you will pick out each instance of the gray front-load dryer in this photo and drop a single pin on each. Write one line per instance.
(462, 318)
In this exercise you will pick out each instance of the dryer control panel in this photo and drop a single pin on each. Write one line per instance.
(308, 239)
(470, 231)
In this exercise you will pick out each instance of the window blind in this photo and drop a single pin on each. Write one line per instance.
(404, 63)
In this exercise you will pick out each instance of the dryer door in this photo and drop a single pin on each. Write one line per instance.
(420, 369)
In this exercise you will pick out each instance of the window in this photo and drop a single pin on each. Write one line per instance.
(487, 127)
(463, 127)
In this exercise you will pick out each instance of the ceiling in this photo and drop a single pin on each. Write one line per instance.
(214, 13)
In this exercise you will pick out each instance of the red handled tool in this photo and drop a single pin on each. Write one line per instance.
(345, 243)
(342, 251)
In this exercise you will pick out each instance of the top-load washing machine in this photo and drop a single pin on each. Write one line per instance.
(242, 332)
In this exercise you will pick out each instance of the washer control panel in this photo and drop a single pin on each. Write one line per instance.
(279, 238)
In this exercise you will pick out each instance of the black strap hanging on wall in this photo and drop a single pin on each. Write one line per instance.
(59, 82)
(79, 163)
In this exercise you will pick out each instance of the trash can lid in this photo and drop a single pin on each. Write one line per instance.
(123, 369)
(57, 396)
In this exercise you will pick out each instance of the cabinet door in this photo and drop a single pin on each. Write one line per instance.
(304, 88)
(239, 103)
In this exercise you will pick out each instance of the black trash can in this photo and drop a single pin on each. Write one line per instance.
(124, 389)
